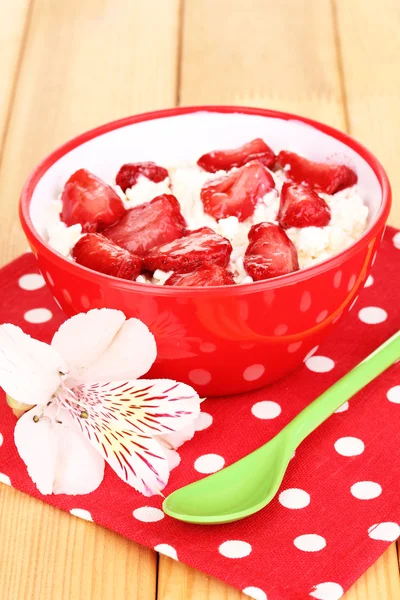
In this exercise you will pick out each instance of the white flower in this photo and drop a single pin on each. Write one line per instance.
(90, 405)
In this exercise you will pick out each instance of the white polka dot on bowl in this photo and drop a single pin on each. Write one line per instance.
(349, 446)
(396, 240)
(49, 278)
(166, 550)
(294, 347)
(353, 303)
(352, 282)
(1, 439)
(337, 280)
(253, 372)
(67, 296)
(322, 316)
(281, 329)
(294, 498)
(235, 549)
(81, 513)
(148, 514)
(85, 302)
(31, 281)
(372, 315)
(266, 409)
(209, 463)
(305, 302)
(393, 394)
(208, 347)
(320, 364)
(328, 590)
(310, 542)
(38, 315)
(255, 593)
(366, 490)
(200, 376)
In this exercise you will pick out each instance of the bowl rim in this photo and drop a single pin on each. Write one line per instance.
(63, 262)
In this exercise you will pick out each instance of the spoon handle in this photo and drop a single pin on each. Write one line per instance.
(318, 411)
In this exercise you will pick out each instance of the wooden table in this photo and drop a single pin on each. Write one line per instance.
(67, 66)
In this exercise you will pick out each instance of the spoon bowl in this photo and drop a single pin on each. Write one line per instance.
(237, 491)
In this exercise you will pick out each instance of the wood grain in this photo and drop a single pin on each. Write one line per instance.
(45, 554)
(68, 66)
(278, 55)
(380, 582)
(370, 54)
(85, 63)
(14, 18)
(176, 581)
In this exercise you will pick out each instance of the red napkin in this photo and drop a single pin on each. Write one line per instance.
(338, 507)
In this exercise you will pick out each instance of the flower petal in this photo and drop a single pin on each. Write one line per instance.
(37, 446)
(177, 438)
(101, 346)
(136, 458)
(146, 406)
(59, 458)
(80, 467)
(29, 369)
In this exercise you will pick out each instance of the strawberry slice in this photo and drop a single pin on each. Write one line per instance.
(91, 202)
(325, 178)
(197, 249)
(147, 225)
(237, 194)
(224, 160)
(300, 206)
(96, 252)
(270, 252)
(204, 277)
(128, 174)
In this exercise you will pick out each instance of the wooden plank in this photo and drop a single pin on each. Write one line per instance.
(370, 54)
(46, 554)
(13, 20)
(278, 55)
(176, 581)
(85, 63)
(380, 582)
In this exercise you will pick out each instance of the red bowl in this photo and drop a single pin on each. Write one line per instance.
(222, 340)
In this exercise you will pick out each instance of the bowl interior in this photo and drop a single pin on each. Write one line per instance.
(181, 139)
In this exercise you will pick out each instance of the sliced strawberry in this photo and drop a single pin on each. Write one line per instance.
(237, 194)
(128, 174)
(204, 277)
(91, 202)
(147, 225)
(96, 252)
(300, 206)
(325, 178)
(197, 249)
(270, 252)
(224, 160)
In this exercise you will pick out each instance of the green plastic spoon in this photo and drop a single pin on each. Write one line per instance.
(249, 484)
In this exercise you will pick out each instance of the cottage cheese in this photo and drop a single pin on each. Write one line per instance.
(348, 219)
